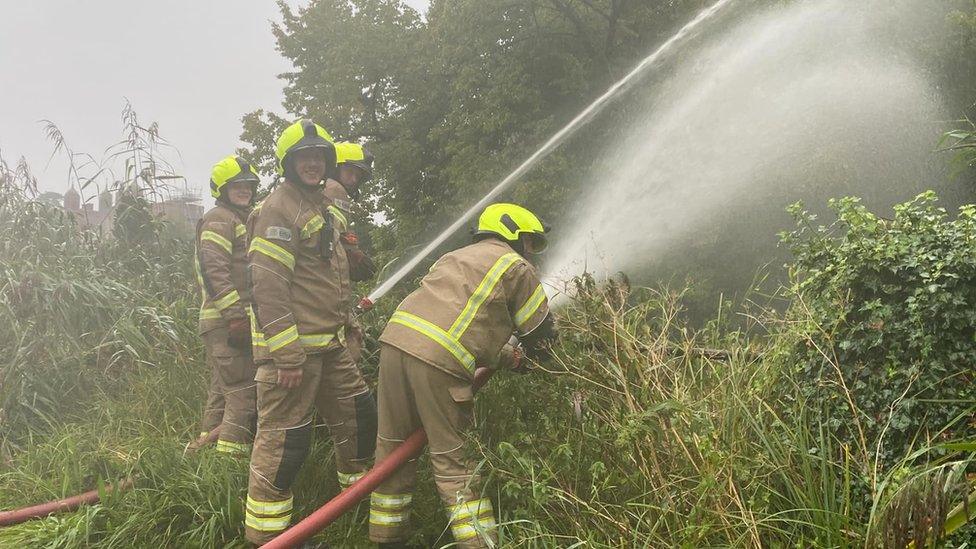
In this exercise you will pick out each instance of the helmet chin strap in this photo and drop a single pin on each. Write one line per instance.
(518, 246)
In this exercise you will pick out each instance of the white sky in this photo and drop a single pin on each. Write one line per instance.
(193, 66)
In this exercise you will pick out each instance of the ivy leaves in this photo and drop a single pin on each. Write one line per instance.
(893, 304)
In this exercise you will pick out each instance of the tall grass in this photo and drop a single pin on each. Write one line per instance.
(641, 434)
(80, 312)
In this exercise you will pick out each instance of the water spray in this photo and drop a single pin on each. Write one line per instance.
(797, 101)
(557, 139)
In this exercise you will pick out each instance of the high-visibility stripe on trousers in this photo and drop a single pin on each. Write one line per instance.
(471, 519)
(346, 479)
(332, 384)
(386, 510)
(411, 395)
(234, 448)
(268, 517)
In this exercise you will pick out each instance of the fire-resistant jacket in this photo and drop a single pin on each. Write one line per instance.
(299, 276)
(220, 263)
(467, 307)
(340, 202)
(360, 266)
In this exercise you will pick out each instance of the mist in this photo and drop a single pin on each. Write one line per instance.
(808, 100)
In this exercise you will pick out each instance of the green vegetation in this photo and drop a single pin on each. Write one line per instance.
(891, 301)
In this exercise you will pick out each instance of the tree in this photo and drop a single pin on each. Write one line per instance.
(450, 105)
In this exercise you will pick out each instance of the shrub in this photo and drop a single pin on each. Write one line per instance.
(885, 313)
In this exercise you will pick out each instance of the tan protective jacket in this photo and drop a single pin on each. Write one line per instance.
(467, 307)
(360, 266)
(340, 202)
(299, 276)
(220, 263)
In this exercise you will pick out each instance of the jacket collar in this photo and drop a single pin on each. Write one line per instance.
(241, 213)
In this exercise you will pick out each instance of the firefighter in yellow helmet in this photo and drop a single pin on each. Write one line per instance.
(302, 302)
(221, 263)
(355, 167)
(466, 309)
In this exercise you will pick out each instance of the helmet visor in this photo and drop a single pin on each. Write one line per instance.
(535, 243)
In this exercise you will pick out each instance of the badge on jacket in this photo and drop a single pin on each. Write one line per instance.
(278, 233)
(343, 205)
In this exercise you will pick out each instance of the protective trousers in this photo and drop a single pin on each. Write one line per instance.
(413, 394)
(231, 396)
(354, 340)
(213, 409)
(332, 384)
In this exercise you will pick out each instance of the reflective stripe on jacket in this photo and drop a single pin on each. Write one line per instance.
(220, 263)
(467, 307)
(339, 203)
(299, 275)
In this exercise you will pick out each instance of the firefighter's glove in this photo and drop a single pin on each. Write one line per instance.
(361, 267)
(519, 363)
(512, 358)
(354, 342)
(349, 238)
(239, 333)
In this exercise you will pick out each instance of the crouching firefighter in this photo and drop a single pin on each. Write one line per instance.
(355, 167)
(221, 263)
(466, 309)
(302, 301)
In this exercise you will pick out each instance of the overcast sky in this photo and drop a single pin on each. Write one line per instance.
(193, 66)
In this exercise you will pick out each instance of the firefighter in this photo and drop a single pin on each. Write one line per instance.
(355, 167)
(221, 263)
(466, 309)
(301, 304)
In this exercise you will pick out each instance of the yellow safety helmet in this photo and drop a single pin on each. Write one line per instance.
(355, 154)
(305, 134)
(229, 170)
(510, 221)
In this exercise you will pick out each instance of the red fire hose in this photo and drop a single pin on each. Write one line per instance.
(337, 506)
(17, 516)
(8, 518)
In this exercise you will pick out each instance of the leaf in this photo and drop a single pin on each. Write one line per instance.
(960, 446)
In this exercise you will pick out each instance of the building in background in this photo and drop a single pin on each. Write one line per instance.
(181, 209)
(86, 216)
